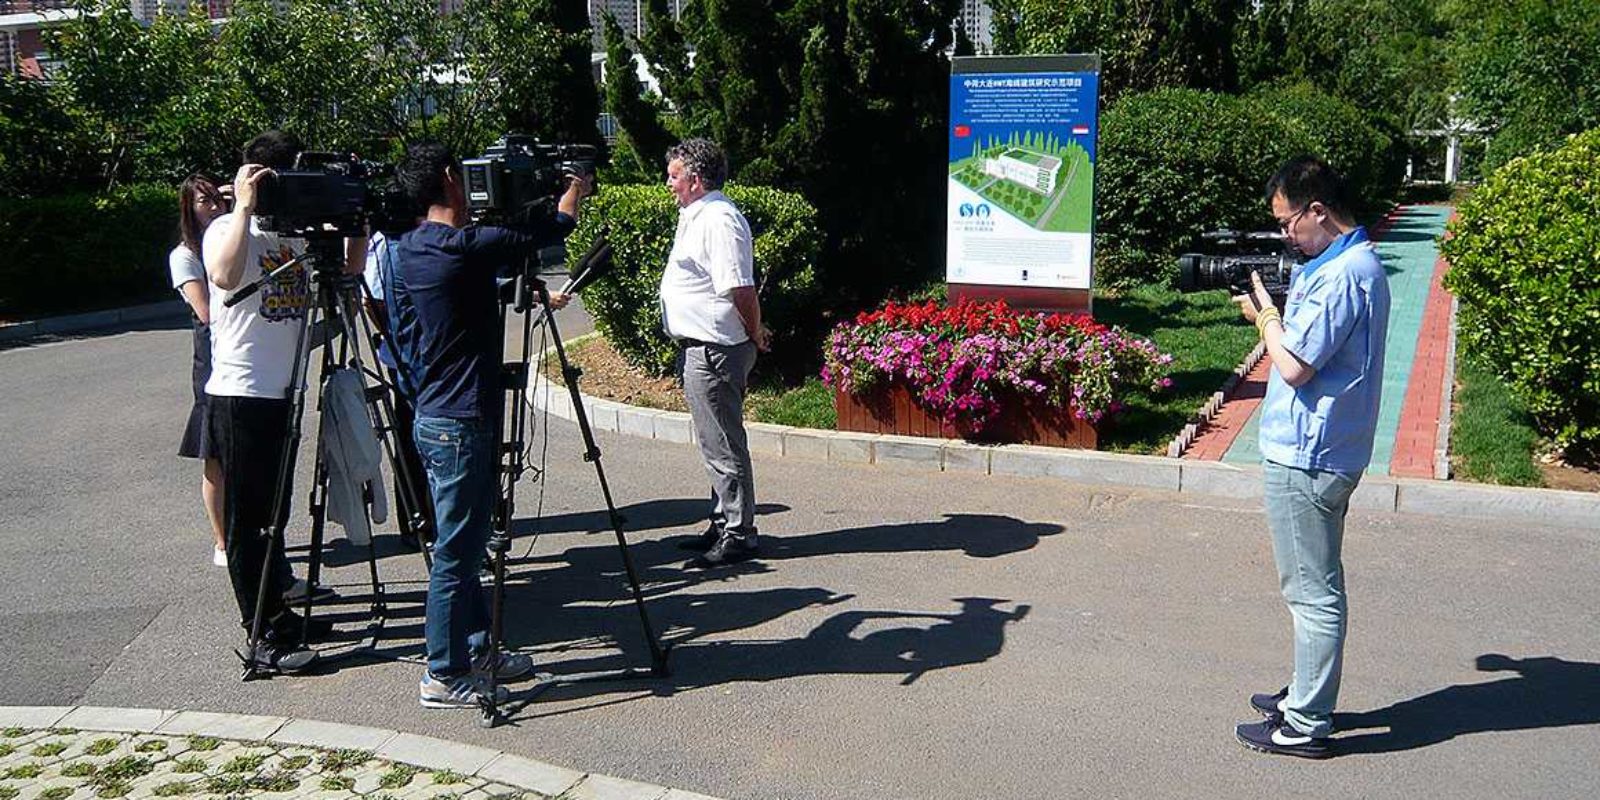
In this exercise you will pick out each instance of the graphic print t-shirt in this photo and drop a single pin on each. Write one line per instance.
(252, 344)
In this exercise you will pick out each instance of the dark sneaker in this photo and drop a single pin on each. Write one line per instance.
(729, 549)
(507, 666)
(296, 593)
(271, 658)
(463, 692)
(1276, 736)
(1270, 705)
(705, 541)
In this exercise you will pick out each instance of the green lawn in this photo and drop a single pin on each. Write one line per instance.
(1207, 339)
(1491, 436)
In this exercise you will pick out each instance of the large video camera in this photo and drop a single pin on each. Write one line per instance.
(519, 178)
(330, 194)
(1237, 254)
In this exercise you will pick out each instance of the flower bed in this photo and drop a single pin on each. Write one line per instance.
(982, 370)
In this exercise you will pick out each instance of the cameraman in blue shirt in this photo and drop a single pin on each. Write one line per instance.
(443, 305)
(1317, 427)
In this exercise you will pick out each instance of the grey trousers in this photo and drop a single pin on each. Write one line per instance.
(714, 379)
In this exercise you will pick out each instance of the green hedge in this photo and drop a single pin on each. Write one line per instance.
(81, 251)
(642, 219)
(1174, 163)
(1524, 259)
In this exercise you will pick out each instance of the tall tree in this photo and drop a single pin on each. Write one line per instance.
(642, 138)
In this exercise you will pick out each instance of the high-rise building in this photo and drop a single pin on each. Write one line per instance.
(630, 16)
(977, 21)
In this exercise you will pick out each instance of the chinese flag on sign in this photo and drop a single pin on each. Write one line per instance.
(963, 131)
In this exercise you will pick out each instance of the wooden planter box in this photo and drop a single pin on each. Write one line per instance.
(1022, 420)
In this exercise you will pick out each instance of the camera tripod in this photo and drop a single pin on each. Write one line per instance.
(332, 316)
(532, 298)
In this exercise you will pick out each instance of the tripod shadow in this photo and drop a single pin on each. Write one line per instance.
(648, 515)
(908, 644)
(1547, 692)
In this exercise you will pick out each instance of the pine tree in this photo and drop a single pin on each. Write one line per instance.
(642, 140)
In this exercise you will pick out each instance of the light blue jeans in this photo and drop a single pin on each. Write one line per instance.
(1306, 510)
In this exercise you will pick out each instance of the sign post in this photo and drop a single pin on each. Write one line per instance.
(1020, 207)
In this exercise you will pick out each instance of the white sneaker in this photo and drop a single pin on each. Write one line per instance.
(463, 692)
(219, 557)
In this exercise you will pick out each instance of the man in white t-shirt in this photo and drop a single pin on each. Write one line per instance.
(252, 365)
(710, 308)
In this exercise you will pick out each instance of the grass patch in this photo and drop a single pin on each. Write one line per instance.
(809, 405)
(398, 776)
(7, 749)
(296, 762)
(204, 743)
(337, 783)
(174, 789)
(8, 792)
(151, 746)
(78, 769)
(1492, 439)
(276, 781)
(341, 760)
(1205, 336)
(12, 733)
(189, 765)
(50, 749)
(446, 777)
(116, 789)
(56, 793)
(65, 731)
(23, 772)
(250, 762)
(228, 784)
(100, 747)
(123, 770)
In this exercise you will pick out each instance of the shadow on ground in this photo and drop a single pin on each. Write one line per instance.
(1547, 692)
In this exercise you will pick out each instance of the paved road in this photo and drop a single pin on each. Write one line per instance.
(906, 635)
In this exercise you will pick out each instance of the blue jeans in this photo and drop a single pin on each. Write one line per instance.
(459, 457)
(1306, 510)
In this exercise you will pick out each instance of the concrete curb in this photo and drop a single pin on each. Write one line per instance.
(76, 323)
(1579, 510)
(422, 751)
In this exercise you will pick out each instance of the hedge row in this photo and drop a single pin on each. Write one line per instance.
(640, 221)
(1174, 163)
(79, 251)
(1524, 255)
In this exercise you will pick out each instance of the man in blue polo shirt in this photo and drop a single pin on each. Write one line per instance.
(1317, 426)
(443, 305)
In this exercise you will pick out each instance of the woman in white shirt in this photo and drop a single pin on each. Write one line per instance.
(200, 200)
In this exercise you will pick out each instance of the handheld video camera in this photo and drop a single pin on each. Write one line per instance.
(332, 194)
(1237, 254)
(518, 177)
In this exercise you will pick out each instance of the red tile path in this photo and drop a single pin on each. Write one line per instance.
(1417, 437)
(1217, 436)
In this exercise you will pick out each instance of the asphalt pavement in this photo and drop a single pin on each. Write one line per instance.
(904, 634)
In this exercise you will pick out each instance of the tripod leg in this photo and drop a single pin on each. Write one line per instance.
(658, 656)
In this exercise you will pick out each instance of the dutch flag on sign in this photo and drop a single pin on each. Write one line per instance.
(1080, 130)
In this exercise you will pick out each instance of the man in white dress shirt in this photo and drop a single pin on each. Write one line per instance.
(709, 307)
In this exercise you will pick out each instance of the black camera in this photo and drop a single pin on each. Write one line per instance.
(329, 193)
(519, 177)
(1236, 255)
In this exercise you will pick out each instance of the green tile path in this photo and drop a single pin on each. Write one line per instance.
(1409, 251)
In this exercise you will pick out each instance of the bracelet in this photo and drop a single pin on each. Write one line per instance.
(1265, 316)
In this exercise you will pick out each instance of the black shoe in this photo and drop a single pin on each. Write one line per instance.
(729, 549)
(705, 541)
(270, 658)
(288, 626)
(409, 542)
(1276, 736)
(1269, 705)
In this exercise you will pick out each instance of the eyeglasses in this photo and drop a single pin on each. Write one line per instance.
(1285, 224)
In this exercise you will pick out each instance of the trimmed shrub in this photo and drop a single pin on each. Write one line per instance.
(641, 220)
(82, 251)
(1524, 259)
(1175, 163)
(1347, 138)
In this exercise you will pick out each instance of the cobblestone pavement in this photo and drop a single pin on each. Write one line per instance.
(63, 763)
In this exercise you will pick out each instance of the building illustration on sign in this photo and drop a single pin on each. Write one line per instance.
(1035, 171)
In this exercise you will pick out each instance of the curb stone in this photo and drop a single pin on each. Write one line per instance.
(94, 320)
(494, 766)
(1578, 510)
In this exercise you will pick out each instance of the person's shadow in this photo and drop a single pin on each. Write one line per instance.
(1548, 692)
